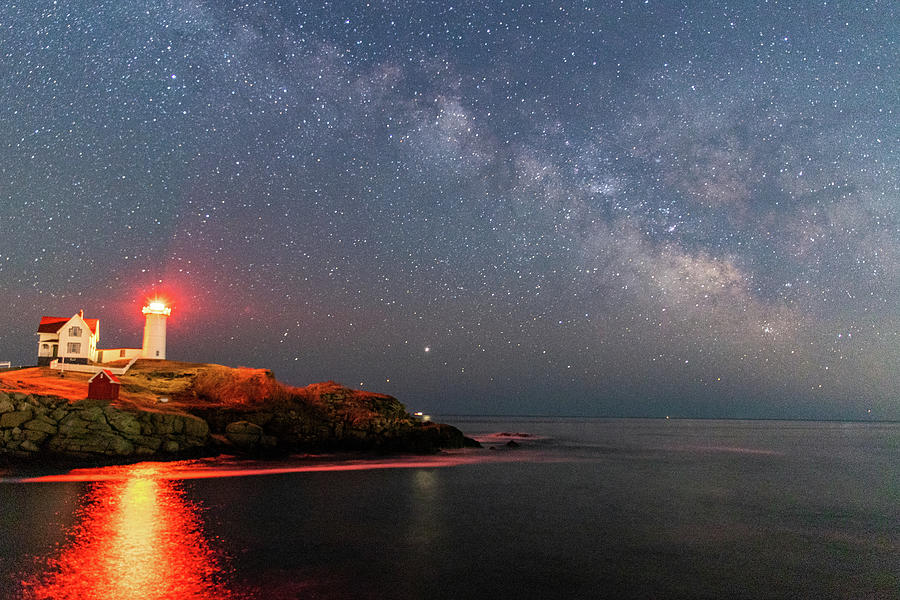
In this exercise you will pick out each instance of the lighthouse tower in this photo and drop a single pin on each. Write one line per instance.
(155, 329)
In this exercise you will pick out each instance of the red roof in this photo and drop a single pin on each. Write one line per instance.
(54, 324)
(112, 378)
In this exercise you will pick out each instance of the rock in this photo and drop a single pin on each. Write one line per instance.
(59, 413)
(261, 418)
(96, 442)
(162, 423)
(431, 437)
(123, 422)
(148, 442)
(93, 414)
(29, 446)
(243, 427)
(41, 424)
(72, 425)
(119, 446)
(36, 436)
(220, 441)
(15, 418)
(195, 427)
(244, 434)
(257, 413)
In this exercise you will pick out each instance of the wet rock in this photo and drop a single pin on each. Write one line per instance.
(148, 442)
(97, 442)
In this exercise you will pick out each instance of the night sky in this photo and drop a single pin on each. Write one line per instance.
(569, 208)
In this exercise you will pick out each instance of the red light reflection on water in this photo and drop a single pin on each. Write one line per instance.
(223, 467)
(136, 537)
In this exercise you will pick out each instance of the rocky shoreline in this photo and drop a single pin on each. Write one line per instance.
(36, 427)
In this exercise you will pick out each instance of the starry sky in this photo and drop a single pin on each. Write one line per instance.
(636, 208)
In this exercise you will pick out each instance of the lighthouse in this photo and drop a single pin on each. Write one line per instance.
(155, 329)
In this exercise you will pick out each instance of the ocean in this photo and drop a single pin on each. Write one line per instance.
(574, 508)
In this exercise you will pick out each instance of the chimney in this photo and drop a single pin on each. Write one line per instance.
(81, 313)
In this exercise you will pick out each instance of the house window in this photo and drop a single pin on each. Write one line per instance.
(74, 331)
(122, 353)
(45, 346)
(74, 348)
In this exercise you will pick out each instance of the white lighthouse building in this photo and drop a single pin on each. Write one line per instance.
(155, 330)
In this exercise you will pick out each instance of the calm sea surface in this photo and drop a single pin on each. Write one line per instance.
(582, 508)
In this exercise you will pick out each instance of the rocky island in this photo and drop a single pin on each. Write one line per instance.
(168, 409)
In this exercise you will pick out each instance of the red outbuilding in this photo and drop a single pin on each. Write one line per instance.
(104, 386)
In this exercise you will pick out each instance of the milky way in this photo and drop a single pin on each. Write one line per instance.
(621, 208)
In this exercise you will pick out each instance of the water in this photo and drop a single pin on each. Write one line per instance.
(583, 508)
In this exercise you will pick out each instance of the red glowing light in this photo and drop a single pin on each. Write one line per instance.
(137, 537)
(157, 306)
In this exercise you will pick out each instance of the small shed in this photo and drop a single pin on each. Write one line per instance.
(104, 386)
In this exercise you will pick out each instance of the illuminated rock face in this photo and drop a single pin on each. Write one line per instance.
(221, 410)
(155, 330)
(35, 425)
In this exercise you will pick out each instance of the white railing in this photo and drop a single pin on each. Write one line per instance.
(91, 368)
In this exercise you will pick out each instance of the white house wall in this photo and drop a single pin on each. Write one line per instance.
(50, 339)
(88, 341)
(113, 354)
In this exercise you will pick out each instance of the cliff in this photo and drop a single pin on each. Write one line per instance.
(171, 410)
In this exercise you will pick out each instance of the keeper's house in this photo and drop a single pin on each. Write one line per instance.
(72, 339)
